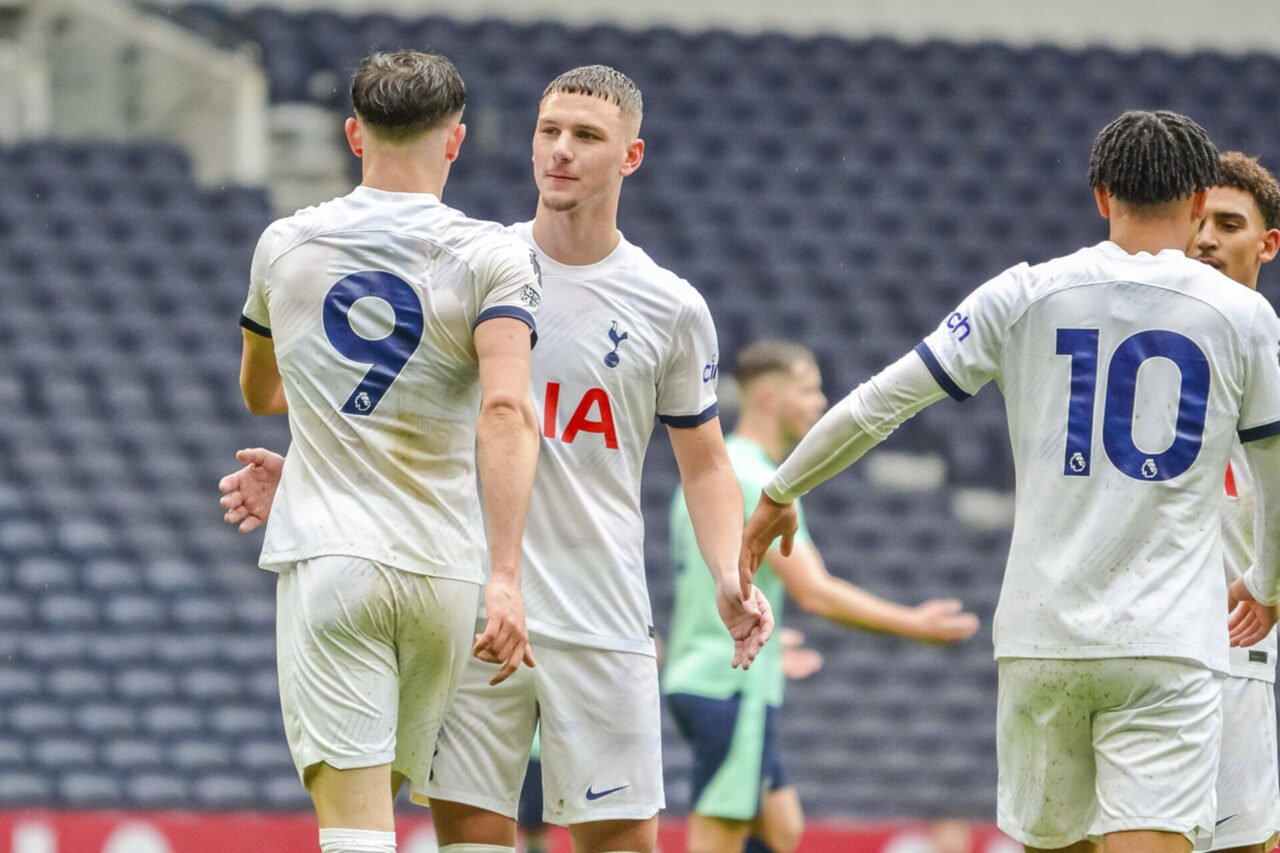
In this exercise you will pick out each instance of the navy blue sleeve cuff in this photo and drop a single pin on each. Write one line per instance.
(1259, 432)
(940, 376)
(516, 313)
(690, 421)
(256, 328)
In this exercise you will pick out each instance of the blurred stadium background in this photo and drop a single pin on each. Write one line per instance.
(838, 174)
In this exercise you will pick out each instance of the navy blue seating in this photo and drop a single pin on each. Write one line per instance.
(843, 193)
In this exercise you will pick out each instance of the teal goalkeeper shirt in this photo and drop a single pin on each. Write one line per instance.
(699, 649)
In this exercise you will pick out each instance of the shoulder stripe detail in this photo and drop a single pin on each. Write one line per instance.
(255, 327)
(1260, 432)
(690, 421)
(516, 313)
(939, 374)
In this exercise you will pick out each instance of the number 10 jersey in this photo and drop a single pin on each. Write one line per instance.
(371, 300)
(1126, 379)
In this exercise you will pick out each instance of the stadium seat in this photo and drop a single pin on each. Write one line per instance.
(133, 754)
(224, 790)
(20, 787)
(106, 720)
(159, 789)
(129, 616)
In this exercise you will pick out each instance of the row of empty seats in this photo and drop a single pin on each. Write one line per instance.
(842, 193)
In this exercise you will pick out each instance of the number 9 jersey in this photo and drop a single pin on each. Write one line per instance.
(1126, 379)
(371, 300)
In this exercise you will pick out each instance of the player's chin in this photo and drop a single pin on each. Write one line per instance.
(558, 202)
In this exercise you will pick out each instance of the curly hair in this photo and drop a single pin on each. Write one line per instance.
(1246, 173)
(1151, 157)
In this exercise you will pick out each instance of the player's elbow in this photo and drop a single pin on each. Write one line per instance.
(812, 598)
(507, 410)
(261, 401)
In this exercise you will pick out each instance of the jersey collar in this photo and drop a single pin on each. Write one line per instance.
(1114, 250)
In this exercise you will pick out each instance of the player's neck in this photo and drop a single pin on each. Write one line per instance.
(763, 432)
(1136, 234)
(403, 175)
(578, 237)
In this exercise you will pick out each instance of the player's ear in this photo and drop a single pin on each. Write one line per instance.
(635, 156)
(1270, 245)
(355, 136)
(454, 143)
(1199, 201)
(1103, 201)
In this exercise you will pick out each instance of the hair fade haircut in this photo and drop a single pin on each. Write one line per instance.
(1246, 173)
(402, 94)
(769, 356)
(601, 81)
(1150, 157)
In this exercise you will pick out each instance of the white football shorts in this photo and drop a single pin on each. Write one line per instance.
(1090, 747)
(1248, 781)
(601, 736)
(369, 658)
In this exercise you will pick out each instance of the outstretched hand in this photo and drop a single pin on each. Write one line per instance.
(769, 521)
(247, 494)
(749, 619)
(505, 639)
(1249, 622)
(798, 660)
(944, 621)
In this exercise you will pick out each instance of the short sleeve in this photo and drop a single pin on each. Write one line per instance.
(687, 379)
(510, 282)
(963, 353)
(1260, 403)
(255, 316)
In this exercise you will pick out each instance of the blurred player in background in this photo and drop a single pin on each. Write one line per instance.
(622, 341)
(380, 321)
(1240, 233)
(730, 717)
(534, 834)
(1128, 369)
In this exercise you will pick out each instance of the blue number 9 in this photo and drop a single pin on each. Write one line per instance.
(386, 356)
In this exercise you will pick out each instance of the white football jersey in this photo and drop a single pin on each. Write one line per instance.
(1126, 379)
(620, 342)
(371, 301)
(1259, 660)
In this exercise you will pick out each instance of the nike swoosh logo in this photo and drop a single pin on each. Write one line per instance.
(1225, 819)
(595, 795)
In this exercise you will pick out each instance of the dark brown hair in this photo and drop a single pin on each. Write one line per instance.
(402, 94)
(1246, 173)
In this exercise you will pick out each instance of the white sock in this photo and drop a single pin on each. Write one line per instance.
(477, 848)
(334, 840)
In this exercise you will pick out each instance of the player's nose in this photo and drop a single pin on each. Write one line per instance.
(563, 149)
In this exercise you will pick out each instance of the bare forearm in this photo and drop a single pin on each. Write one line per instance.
(714, 499)
(853, 607)
(506, 456)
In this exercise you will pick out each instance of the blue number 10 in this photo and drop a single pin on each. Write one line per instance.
(1118, 415)
(386, 356)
